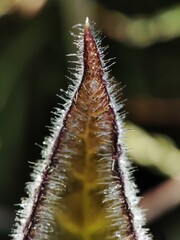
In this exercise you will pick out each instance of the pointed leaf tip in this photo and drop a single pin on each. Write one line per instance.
(82, 188)
(87, 22)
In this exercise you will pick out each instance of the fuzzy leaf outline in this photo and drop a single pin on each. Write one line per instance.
(90, 122)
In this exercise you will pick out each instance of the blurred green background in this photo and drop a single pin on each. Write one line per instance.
(35, 38)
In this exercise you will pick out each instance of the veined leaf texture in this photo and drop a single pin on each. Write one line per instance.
(82, 187)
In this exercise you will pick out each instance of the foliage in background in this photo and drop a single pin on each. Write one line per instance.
(29, 82)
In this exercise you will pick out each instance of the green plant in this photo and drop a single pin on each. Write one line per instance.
(82, 187)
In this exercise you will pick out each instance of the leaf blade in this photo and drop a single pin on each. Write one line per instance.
(82, 186)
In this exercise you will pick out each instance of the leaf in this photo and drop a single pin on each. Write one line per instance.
(27, 8)
(142, 144)
(82, 188)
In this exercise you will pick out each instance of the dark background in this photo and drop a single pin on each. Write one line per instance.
(33, 65)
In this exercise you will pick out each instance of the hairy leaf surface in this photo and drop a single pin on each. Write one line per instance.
(82, 188)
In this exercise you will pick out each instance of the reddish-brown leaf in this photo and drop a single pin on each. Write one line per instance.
(82, 188)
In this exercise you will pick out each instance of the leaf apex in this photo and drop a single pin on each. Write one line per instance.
(87, 24)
